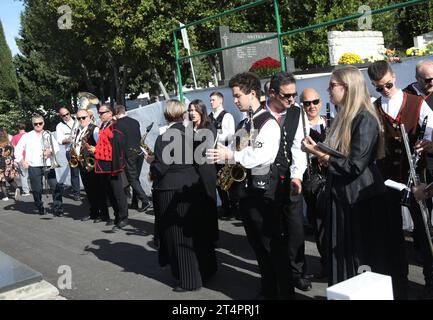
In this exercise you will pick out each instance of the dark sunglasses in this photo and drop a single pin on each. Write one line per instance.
(37, 124)
(308, 103)
(81, 118)
(427, 80)
(102, 112)
(64, 115)
(387, 85)
(287, 96)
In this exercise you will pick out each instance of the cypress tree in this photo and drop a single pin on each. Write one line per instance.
(8, 79)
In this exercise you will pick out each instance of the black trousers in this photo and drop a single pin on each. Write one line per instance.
(134, 163)
(291, 208)
(75, 176)
(92, 183)
(36, 174)
(262, 226)
(113, 188)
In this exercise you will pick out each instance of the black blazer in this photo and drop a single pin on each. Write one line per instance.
(177, 175)
(131, 129)
(356, 177)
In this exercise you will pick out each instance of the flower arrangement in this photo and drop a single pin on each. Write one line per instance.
(265, 67)
(350, 58)
(414, 51)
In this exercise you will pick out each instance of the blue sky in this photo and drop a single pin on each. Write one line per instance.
(10, 17)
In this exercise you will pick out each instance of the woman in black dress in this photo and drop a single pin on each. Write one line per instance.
(356, 217)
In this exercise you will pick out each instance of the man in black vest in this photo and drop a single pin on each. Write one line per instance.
(396, 107)
(257, 191)
(84, 144)
(225, 125)
(291, 162)
(134, 156)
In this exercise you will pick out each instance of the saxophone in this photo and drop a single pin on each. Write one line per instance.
(235, 172)
(142, 141)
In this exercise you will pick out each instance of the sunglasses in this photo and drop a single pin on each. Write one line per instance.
(287, 96)
(65, 115)
(102, 112)
(332, 85)
(308, 103)
(81, 118)
(387, 85)
(37, 124)
(427, 80)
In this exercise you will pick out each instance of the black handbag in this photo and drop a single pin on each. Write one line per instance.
(314, 191)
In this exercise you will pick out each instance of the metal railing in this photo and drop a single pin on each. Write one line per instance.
(278, 34)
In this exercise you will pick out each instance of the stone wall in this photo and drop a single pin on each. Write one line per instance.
(363, 43)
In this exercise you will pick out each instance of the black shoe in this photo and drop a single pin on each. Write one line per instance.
(76, 197)
(97, 220)
(87, 218)
(180, 289)
(144, 206)
(109, 222)
(303, 284)
(58, 213)
(42, 211)
(120, 225)
(133, 206)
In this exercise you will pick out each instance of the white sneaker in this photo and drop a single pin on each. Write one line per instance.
(25, 194)
(5, 199)
(17, 193)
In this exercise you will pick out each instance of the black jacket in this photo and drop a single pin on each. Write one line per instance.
(356, 177)
(174, 175)
(131, 129)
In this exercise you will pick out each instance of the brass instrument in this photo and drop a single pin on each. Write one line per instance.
(143, 138)
(235, 172)
(75, 158)
(86, 100)
(415, 181)
(48, 145)
(88, 160)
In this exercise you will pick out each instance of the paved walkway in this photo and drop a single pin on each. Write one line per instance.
(123, 265)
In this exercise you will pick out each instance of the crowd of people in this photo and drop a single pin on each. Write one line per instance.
(282, 153)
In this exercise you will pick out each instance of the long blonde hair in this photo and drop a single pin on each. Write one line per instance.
(356, 98)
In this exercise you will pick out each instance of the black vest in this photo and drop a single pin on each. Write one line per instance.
(288, 132)
(219, 120)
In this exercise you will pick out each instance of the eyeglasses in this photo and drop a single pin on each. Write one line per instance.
(35, 124)
(308, 103)
(287, 96)
(427, 80)
(102, 112)
(82, 118)
(332, 85)
(65, 115)
(387, 85)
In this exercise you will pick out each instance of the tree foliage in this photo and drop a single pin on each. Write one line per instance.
(8, 80)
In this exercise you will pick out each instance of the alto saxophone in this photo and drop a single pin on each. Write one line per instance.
(143, 138)
(235, 172)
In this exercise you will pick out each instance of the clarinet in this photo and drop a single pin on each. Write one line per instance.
(416, 181)
(416, 156)
(304, 126)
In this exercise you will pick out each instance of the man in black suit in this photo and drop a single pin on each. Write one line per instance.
(134, 156)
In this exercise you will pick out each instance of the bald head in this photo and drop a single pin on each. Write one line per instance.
(424, 76)
(312, 103)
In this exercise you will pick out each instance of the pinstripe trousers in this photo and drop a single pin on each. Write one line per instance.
(191, 257)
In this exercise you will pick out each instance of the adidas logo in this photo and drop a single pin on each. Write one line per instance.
(261, 184)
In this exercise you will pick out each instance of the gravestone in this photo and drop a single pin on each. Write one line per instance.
(362, 43)
(422, 40)
(240, 59)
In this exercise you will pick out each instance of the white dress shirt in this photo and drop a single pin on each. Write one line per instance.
(269, 141)
(299, 157)
(227, 126)
(31, 142)
(63, 131)
(392, 106)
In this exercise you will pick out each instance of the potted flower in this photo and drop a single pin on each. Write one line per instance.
(350, 58)
(265, 67)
